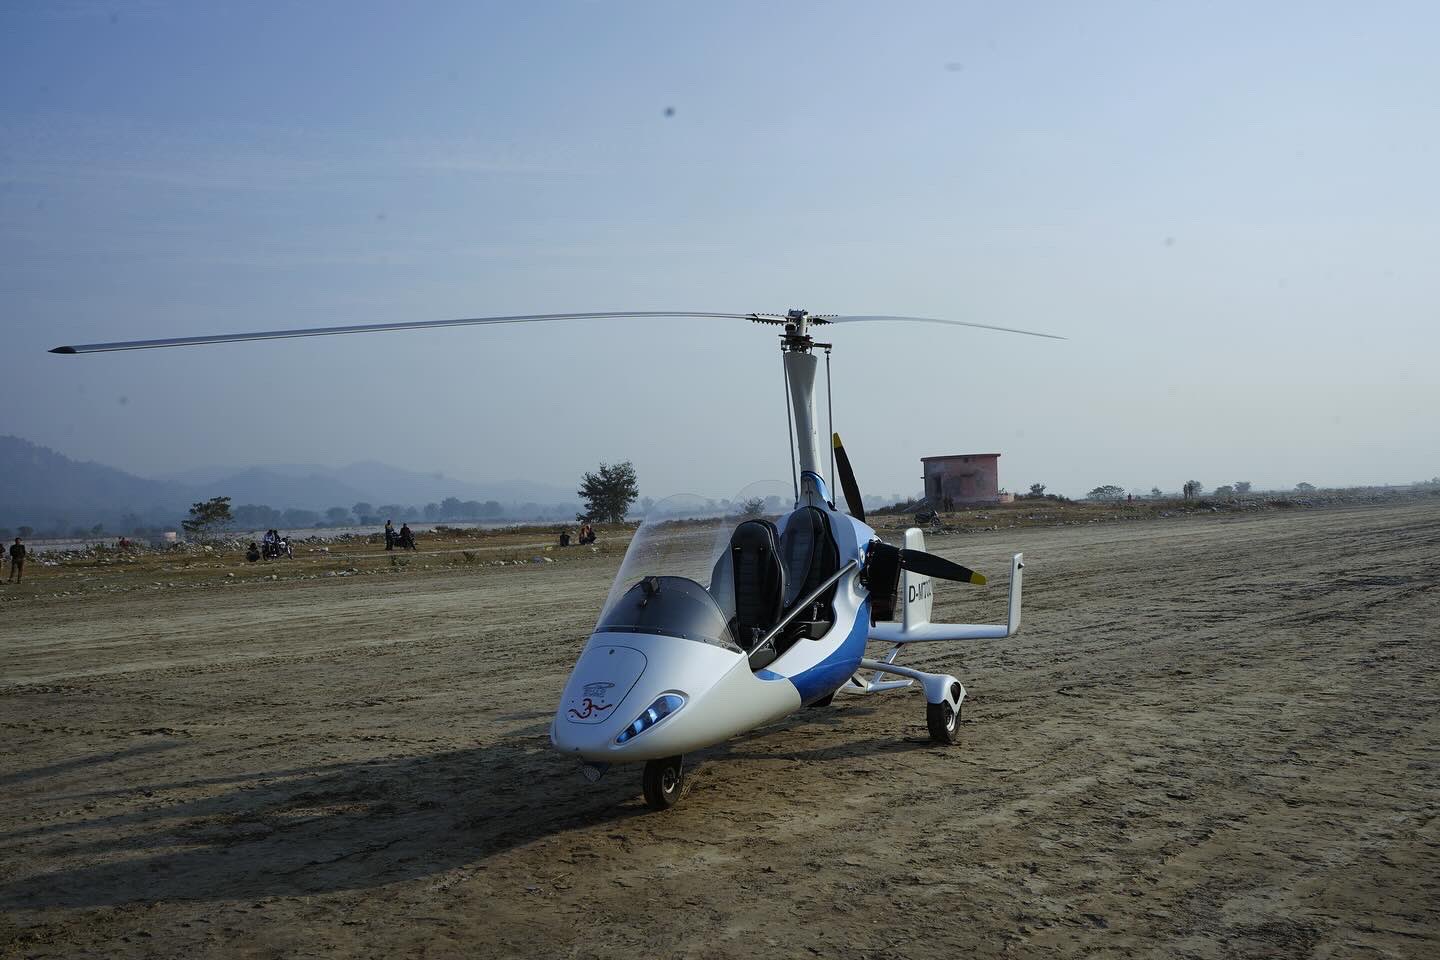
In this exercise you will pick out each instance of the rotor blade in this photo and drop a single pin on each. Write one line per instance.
(954, 323)
(929, 565)
(377, 327)
(847, 480)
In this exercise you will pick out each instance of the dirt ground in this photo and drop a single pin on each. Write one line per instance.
(1214, 737)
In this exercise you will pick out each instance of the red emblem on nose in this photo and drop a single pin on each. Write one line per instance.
(591, 708)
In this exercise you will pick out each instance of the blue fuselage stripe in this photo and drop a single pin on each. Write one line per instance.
(827, 675)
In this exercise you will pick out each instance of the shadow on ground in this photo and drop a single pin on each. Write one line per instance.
(291, 832)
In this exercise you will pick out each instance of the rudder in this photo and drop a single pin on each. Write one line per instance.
(917, 590)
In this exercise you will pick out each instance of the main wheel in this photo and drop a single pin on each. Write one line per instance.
(943, 722)
(663, 782)
(825, 701)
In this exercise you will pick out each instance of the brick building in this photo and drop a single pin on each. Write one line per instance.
(970, 478)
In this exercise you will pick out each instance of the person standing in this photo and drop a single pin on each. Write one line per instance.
(389, 535)
(17, 561)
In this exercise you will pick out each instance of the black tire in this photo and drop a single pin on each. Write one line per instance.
(664, 781)
(943, 722)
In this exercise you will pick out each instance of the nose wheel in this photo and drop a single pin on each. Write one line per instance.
(664, 780)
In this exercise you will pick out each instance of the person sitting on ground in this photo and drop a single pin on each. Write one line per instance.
(252, 553)
(564, 538)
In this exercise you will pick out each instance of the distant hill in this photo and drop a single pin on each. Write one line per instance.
(47, 490)
(397, 485)
(367, 480)
(264, 486)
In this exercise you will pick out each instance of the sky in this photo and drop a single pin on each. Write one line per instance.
(1229, 209)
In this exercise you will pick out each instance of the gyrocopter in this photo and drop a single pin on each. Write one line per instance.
(717, 625)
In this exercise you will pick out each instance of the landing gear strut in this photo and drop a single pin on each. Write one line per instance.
(664, 781)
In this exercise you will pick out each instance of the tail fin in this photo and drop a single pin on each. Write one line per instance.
(917, 590)
(1017, 564)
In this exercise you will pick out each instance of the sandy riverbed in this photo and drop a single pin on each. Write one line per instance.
(1215, 737)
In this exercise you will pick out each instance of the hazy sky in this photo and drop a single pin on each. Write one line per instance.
(1231, 209)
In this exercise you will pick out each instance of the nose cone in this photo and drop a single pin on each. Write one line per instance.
(600, 682)
(590, 714)
(619, 676)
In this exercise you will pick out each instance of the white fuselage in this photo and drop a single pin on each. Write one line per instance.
(620, 675)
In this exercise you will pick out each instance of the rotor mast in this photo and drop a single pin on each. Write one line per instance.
(797, 348)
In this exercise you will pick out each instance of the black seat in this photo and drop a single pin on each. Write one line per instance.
(749, 582)
(810, 555)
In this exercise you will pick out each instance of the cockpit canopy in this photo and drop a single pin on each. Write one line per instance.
(721, 573)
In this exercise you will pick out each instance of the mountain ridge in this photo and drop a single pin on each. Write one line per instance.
(43, 488)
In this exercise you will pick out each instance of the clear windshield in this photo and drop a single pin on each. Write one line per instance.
(663, 586)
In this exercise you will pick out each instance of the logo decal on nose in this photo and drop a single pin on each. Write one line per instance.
(592, 705)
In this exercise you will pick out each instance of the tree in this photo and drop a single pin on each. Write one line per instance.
(337, 516)
(1225, 491)
(450, 508)
(432, 511)
(1037, 490)
(1108, 492)
(297, 518)
(608, 493)
(252, 516)
(1242, 486)
(208, 517)
(1304, 488)
(1155, 492)
(754, 507)
(363, 511)
(1192, 489)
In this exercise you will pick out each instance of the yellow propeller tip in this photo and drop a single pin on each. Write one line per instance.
(977, 579)
(835, 440)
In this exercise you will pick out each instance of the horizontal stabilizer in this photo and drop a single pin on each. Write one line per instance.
(930, 632)
(911, 631)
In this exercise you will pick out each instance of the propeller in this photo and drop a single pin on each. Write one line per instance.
(929, 565)
(883, 563)
(774, 318)
(847, 479)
